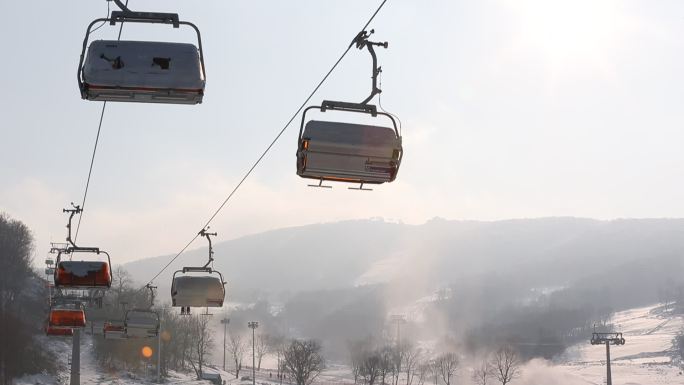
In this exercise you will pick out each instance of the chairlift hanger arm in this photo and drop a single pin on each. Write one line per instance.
(208, 235)
(72, 212)
(361, 41)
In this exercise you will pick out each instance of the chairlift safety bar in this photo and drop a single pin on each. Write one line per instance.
(347, 107)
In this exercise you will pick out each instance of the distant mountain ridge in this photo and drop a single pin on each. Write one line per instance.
(543, 252)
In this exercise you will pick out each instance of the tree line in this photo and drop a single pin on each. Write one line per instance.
(23, 306)
(386, 362)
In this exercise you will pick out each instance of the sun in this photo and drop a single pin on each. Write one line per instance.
(146, 351)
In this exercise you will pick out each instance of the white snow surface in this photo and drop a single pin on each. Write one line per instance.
(645, 359)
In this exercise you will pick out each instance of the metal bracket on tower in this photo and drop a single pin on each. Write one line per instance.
(607, 339)
(361, 41)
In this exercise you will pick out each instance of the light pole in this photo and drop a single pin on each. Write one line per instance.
(253, 325)
(159, 337)
(399, 319)
(225, 322)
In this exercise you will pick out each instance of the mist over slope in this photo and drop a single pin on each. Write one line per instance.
(524, 253)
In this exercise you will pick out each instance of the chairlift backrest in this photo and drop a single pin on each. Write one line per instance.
(58, 332)
(114, 330)
(349, 152)
(198, 291)
(142, 71)
(67, 318)
(141, 323)
(83, 274)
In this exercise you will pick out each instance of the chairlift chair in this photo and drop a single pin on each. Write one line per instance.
(58, 332)
(140, 323)
(84, 274)
(63, 317)
(88, 273)
(114, 330)
(350, 152)
(347, 152)
(142, 71)
(204, 290)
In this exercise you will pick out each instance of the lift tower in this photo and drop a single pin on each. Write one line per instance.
(607, 339)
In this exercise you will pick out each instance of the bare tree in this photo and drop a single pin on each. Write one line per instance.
(370, 366)
(411, 358)
(237, 347)
(261, 348)
(395, 361)
(447, 363)
(482, 373)
(202, 340)
(276, 344)
(122, 281)
(505, 365)
(356, 356)
(423, 371)
(303, 360)
(433, 366)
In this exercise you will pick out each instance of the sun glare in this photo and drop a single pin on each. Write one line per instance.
(568, 33)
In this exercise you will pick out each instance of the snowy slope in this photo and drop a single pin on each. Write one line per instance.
(645, 359)
(92, 375)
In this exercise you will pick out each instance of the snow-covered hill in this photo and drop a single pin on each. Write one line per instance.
(645, 359)
(544, 252)
(92, 375)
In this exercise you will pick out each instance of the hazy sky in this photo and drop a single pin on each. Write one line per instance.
(510, 108)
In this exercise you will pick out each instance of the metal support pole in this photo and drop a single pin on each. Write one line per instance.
(161, 319)
(253, 361)
(76, 358)
(225, 322)
(607, 339)
(610, 380)
(253, 325)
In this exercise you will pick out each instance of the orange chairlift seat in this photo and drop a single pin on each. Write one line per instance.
(114, 330)
(86, 273)
(142, 71)
(58, 332)
(67, 318)
(349, 152)
(89, 272)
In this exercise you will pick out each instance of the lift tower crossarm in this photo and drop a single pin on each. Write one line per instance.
(607, 339)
